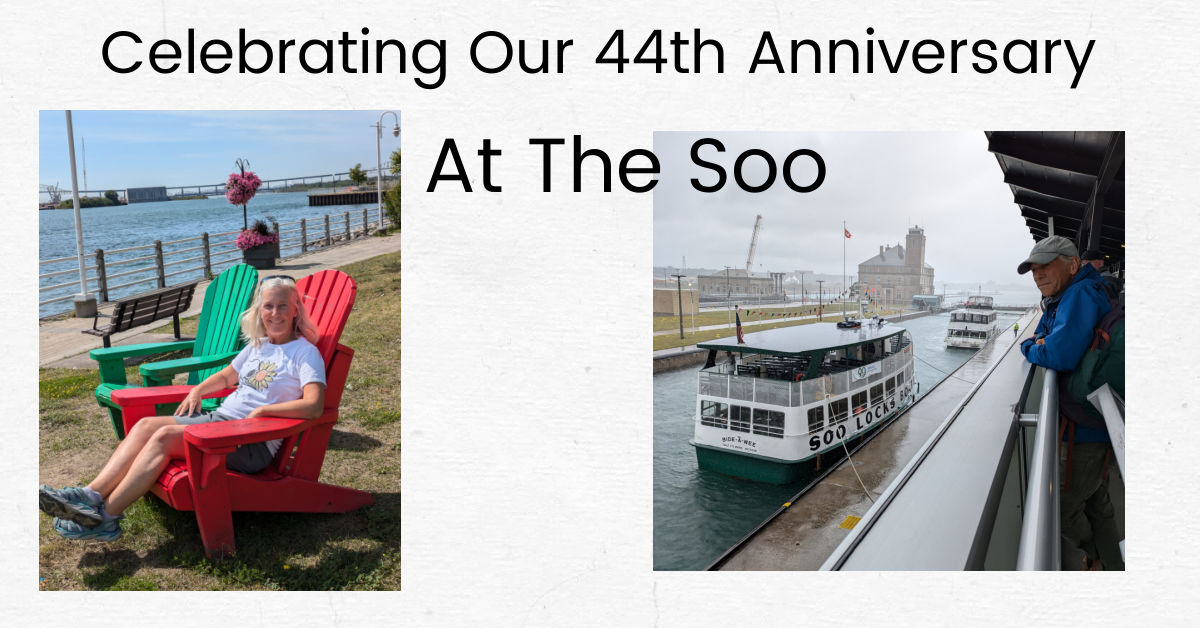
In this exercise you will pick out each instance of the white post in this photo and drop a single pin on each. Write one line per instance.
(379, 171)
(379, 160)
(85, 304)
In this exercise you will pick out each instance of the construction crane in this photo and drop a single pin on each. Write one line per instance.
(53, 192)
(753, 243)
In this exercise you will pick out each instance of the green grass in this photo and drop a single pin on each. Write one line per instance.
(160, 548)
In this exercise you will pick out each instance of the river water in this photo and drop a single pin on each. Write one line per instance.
(125, 226)
(699, 514)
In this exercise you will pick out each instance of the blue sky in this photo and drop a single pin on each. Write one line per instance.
(173, 148)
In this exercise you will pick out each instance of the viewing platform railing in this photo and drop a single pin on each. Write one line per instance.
(1040, 548)
(160, 264)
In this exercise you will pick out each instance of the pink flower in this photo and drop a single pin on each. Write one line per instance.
(250, 238)
(240, 188)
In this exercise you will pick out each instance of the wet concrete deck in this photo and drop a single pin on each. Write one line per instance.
(806, 533)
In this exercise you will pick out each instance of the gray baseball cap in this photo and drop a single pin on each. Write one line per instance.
(1046, 250)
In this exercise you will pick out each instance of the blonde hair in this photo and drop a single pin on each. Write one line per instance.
(253, 329)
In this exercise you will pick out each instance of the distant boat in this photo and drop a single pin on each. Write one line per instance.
(971, 326)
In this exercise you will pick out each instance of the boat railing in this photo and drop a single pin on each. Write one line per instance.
(1039, 548)
(717, 381)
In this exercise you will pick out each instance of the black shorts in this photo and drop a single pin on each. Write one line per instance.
(248, 458)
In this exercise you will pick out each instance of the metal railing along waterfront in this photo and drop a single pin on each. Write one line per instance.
(117, 273)
(1040, 548)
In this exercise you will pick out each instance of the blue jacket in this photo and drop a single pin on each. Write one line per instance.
(1068, 321)
(1067, 325)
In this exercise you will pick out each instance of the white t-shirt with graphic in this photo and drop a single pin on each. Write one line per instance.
(272, 374)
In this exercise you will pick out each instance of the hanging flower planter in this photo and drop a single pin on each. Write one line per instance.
(260, 247)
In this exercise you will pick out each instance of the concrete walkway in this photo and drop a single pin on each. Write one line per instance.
(61, 343)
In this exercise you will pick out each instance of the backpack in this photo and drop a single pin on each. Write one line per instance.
(1103, 363)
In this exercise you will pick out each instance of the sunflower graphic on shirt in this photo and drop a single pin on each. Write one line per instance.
(262, 376)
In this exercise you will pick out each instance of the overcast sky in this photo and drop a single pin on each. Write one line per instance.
(174, 148)
(878, 183)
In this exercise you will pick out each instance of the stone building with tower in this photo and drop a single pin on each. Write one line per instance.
(898, 273)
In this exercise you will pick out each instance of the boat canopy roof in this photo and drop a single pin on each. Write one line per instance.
(802, 339)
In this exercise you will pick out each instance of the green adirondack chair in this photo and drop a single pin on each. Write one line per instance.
(218, 340)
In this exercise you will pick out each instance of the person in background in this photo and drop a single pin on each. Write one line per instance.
(1112, 283)
(1074, 299)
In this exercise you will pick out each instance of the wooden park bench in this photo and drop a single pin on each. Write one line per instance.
(145, 308)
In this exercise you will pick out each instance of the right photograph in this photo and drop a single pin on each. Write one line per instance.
(889, 351)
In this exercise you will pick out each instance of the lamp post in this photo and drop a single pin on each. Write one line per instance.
(379, 160)
(679, 294)
(85, 304)
(820, 294)
(728, 296)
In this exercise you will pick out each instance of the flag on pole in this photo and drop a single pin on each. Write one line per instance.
(740, 338)
(847, 232)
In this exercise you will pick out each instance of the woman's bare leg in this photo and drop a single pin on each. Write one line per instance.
(118, 464)
(166, 443)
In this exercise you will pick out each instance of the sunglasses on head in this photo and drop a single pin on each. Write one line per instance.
(287, 277)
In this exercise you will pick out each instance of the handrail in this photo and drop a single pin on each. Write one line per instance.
(74, 271)
(57, 260)
(131, 248)
(1113, 408)
(1040, 546)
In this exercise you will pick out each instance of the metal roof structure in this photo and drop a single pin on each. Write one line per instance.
(800, 339)
(1068, 183)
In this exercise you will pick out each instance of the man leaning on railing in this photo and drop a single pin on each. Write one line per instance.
(1073, 302)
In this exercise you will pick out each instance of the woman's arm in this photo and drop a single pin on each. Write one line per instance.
(224, 378)
(308, 406)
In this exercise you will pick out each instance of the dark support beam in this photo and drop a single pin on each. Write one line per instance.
(1049, 204)
(1114, 160)
(1072, 187)
(1046, 149)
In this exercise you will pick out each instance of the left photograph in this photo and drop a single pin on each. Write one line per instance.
(219, 350)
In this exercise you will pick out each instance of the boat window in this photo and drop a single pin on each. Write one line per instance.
(899, 379)
(741, 388)
(714, 413)
(859, 402)
(739, 418)
(816, 418)
(889, 386)
(876, 394)
(768, 422)
(837, 410)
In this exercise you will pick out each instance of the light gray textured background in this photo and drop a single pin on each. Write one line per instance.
(527, 413)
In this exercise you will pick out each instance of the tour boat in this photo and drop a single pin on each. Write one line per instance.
(768, 407)
(973, 324)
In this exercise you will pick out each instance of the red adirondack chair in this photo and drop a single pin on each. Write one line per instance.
(290, 483)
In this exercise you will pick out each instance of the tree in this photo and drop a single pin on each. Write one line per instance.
(112, 196)
(391, 205)
(357, 175)
(396, 161)
(391, 200)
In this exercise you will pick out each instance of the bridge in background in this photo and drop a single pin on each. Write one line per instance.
(47, 193)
